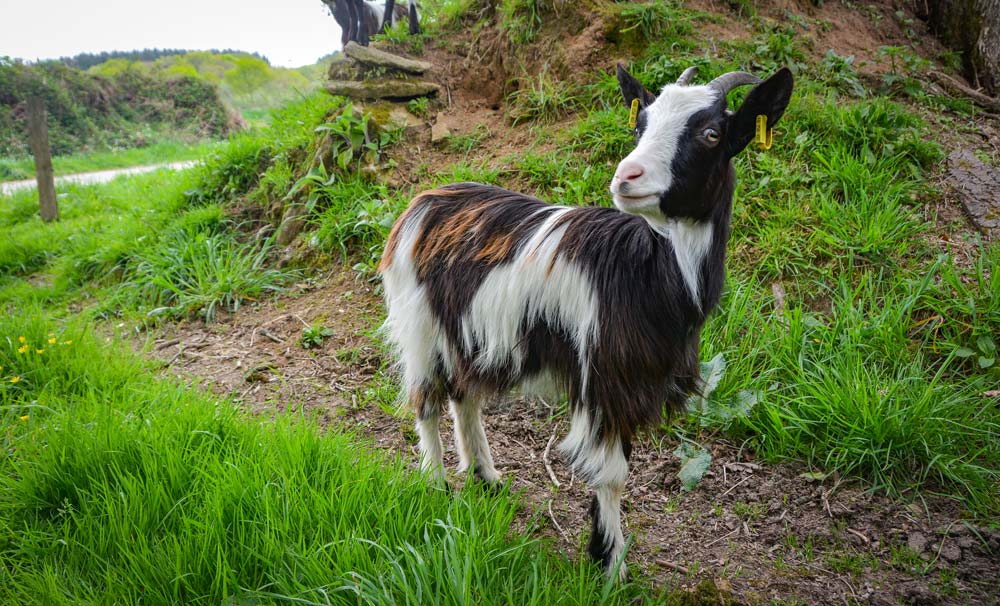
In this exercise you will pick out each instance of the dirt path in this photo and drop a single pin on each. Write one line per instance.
(768, 533)
(101, 176)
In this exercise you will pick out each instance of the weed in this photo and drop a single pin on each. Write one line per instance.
(749, 512)
(779, 49)
(196, 271)
(522, 19)
(839, 72)
(420, 107)
(660, 19)
(463, 144)
(906, 560)
(314, 335)
(903, 68)
(543, 100)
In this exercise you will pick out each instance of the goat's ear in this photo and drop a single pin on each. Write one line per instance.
(633, 89)
(769, 98)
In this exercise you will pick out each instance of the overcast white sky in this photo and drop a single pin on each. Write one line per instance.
(288, 32)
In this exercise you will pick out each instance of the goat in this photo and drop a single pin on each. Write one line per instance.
(361, 19)
(488, 290)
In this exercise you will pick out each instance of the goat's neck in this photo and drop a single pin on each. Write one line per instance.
(699, 248)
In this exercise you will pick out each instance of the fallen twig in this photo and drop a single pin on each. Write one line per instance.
(861, 536)
(545, 460)
(264, 333)
(672, 566)
(168, 343)
(723, 537)
(733, 487)
(556, 524)
(977, 97)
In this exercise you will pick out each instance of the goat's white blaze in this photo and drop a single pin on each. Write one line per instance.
(666, 119)
(691, 241)
(524, 291)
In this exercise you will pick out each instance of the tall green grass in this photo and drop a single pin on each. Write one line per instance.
(868, 389)
(118, 487)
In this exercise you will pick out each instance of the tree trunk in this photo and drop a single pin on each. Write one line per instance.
(38, 139)
(971, 27)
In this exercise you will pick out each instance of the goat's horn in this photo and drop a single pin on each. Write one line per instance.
(687, 75)
(727, 82)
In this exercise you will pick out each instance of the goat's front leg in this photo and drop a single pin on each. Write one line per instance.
(390, 6)
(603, 462)
(470, 440)
(414, 18)
(607, 541)
(359, 14)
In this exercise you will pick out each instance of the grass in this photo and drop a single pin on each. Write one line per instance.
(118, 486)
(160, 152)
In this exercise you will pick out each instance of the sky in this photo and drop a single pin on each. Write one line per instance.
(290, 33)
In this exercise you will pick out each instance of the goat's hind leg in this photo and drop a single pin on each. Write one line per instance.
(426, 405)
(470, 439)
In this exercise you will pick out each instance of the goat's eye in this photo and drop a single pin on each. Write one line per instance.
(711, 135)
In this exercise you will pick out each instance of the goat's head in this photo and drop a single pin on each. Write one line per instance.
(685, 138)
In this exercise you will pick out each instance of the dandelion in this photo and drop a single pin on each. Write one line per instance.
(22, 340)
(15, 379)
(25, 417)
(70, 342)
(39, 351)
(52, 340)
(22, 349)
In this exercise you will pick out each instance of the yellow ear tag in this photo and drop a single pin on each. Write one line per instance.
(765, 135)
(633, 114)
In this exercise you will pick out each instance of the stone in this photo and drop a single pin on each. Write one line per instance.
(950, 551)
(978, 188)
(376, 58)
(400, 118)
(343, 68)
(440, 131)
(917, 542)
(382, 88)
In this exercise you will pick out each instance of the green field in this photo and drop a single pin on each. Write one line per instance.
(858, 330)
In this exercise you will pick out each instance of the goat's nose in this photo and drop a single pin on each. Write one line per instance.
(629, 171)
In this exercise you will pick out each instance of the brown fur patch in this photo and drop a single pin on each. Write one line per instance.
(443, 239)
(497, 248)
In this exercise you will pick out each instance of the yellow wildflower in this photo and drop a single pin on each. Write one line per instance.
(15, 379)
(39, 351)
(22, 349)
(21, 339)
(25, 418)
(70, 342)
(52, 340)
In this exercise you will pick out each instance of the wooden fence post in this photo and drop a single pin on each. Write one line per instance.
(38, 139)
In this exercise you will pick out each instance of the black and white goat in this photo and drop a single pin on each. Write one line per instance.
(489, 290)
(361, 19)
